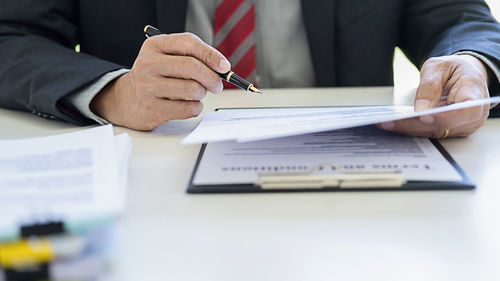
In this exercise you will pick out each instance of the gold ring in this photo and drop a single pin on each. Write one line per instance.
(445, 135)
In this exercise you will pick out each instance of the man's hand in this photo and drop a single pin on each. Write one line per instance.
(447, 80)
(169, 78)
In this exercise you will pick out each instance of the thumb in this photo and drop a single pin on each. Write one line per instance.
(434, 75)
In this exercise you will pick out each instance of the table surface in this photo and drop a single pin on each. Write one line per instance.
(168, 234)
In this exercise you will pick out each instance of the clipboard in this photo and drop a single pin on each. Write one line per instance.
(331, 177)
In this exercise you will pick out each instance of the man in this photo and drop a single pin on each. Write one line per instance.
(296, 43)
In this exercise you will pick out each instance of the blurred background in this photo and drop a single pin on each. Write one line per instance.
(406, 76)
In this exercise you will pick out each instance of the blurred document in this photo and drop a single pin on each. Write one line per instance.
(245, 125)
(71, 177)
(357, 149)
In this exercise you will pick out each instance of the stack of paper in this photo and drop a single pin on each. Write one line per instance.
(244, 125)
(75, 182)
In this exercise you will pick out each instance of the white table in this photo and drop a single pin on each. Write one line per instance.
(166, 234)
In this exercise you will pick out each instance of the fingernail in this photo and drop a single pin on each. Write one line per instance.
(428, 119)
(388, 126)
(422, 105)
(219, 88)
(225, 65)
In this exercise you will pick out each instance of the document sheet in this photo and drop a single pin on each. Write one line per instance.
(265, 123)
(355, 149)
(71, 177)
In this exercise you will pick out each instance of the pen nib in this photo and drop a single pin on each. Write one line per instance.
(255, 90)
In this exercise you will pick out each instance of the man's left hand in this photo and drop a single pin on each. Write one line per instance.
(447, 80)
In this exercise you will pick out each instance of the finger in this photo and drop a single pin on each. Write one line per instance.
(413, 127)
(458, 122)
(468, 129)
(162, 110)
(149, 113)
(178, 89)
(188, 44)
(459, 117)
(189, 68)
(464, 90)
(456, 118)
(468, 88)
(418, 130)
(174, 109)
(433, 77)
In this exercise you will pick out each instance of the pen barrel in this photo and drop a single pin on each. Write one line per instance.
(151, 31)
(237, 80)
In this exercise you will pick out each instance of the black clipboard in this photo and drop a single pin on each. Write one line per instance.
(464, 184)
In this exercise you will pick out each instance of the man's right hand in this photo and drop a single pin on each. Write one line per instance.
(169, 78)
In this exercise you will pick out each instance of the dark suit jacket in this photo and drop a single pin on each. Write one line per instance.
(351, 41)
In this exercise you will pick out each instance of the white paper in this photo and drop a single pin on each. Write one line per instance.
(266, 123)
(69, 177)
(362, 148)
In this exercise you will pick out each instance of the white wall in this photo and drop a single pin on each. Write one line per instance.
(406, 76)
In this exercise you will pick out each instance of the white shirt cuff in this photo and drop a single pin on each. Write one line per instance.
(81, 99)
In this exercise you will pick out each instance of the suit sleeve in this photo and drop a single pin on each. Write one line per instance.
(433, 28)
(39, 65)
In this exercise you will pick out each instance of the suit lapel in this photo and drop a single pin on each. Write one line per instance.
(171, 15)
(319, 20)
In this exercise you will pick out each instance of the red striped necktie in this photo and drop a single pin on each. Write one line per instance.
(234, 28)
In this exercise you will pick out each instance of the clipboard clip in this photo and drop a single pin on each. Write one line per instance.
(52, 227)
(328, 175)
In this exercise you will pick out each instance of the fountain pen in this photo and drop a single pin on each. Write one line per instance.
(230, 76)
